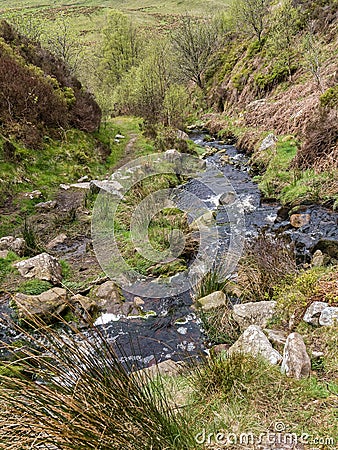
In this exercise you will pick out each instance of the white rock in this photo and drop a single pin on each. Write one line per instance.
(329, 316)
(254, 313)
(268, 142)
(254, 341)
(213, 300)
(313, 312)
(13, 244)
(43, 267)
(296, 362)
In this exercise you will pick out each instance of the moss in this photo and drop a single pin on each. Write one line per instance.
(330, 98)
(273, 76)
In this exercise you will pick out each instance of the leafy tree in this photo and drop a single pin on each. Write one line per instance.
(121, 48)
(251, 16)
(194, 42)
(285, 25)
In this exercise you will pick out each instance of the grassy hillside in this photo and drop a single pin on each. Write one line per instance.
(89, 15)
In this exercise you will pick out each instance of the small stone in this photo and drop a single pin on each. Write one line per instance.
(213, 300)
(254, 341)
(219, 349)
(227, 198)
(120, 136)
(4, 254)
(34, 194)
(65, 187)
(299, 220)
(329, 316)
(182, 135)
(168, 368)
(138, 301)
(51, 204)
(296, 362)
(43, 267)
(16, 245)
(58, 240)
(313, 312)
(85, 186)
(82, 179)
(268, 142)
(254, 313)
(317, 259)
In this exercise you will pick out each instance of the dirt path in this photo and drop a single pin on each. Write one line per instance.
(129, 152)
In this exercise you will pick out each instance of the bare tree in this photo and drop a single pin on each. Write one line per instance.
(194, 42)
(251, 16)
(313, 57)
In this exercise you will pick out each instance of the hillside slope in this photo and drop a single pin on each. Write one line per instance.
(39, 95)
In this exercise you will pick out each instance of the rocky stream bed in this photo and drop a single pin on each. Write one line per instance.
(168, 328)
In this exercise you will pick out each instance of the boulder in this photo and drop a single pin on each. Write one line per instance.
(107, 297)
(329, 316)
(255, 313)
(296, 362)
(44, 306)
(254, 341)
(84, 307)
(16, 245)
(299, 220)
(43, 267)
(213, 300)
(329, 246)
(313, 312)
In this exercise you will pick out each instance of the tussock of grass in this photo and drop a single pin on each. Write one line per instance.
(76, 394)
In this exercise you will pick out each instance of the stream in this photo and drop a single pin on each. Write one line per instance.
(175, 331)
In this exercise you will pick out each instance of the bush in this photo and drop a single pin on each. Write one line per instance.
(330, 98)
(265, 263)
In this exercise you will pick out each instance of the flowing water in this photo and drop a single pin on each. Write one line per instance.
(174, 331)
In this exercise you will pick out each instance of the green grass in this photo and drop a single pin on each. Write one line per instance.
(6, 265)
(34, 287)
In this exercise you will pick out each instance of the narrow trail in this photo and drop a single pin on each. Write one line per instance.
(129, 152)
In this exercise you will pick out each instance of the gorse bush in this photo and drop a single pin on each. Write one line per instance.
(76, 394)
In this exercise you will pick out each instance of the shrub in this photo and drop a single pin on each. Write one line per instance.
(266, 262)
(330, 98)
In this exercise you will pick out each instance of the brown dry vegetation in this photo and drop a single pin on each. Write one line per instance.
(38, 95)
